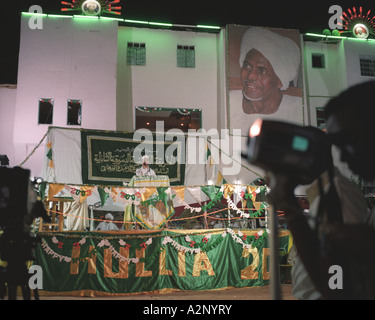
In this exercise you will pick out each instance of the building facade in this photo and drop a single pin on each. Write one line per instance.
(101, 74)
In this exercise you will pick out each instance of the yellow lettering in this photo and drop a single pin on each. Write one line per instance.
(201, 262)
(140, 266)
(249, 272)
(92, 262)
(74, 266)
(123, 265)
(163, 264)
(181, 264)
(265, 273)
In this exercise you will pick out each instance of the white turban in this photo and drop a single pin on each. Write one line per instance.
(108, 216)
(282, 53)
(145, 159)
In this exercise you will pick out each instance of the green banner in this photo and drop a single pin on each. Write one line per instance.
(107, 157)
(99, 263)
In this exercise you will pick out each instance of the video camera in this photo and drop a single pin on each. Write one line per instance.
(302, 153)
(19, 206)
(19, 203)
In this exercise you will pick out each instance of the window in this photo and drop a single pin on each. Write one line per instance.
(367, 65)
(185, 56)
(320, 118)
(45, 111)
(183, 119)
(318, 61)
(74, 112)
(136, 54)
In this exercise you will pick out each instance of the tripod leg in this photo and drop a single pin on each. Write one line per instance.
(274, 259)
(36, 294)
(12, 292)
(26, 292)
(2, 291)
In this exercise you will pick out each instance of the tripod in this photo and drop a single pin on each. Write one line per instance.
(16, 249)
(15, 275)
(282, 186)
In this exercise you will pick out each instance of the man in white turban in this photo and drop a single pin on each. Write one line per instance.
(108, 224)
(269, 64)
(145, 170)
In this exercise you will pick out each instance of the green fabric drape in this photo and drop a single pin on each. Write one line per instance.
(94, 266)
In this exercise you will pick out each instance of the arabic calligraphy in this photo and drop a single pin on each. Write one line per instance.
(109, 162)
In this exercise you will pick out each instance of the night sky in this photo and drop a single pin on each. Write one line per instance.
(306, 16)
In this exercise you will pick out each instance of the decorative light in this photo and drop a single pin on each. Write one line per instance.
(357, 24)
(360, 31)
(92, 7)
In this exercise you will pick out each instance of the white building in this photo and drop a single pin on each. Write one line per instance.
(84, 64)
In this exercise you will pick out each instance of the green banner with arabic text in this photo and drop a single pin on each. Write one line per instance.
(108, 157)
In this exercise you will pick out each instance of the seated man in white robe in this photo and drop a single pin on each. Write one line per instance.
(107, 225)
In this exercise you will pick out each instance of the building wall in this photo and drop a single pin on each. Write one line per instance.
(160, 83)
(353, 50)
(87, 60)
(342, 70)
(7, 117)
(324, 83)
(67, 59)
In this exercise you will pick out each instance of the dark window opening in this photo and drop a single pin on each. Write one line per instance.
(183, 119)
(318, 60)
(45, 111)
(74, 112)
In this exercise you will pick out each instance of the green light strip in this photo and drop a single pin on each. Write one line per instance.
(136, 21)
(161, 24)
(357, 39)
(125, 20)
(109, 18)
(85, 17)
(34, 14)
(336, 37)
(58, 16)
(207, 27)
(323, 36)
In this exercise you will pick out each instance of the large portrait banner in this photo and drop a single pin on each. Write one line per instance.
(264, 76)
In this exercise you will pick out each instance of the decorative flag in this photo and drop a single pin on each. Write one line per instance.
(103, 196)
(180, 191)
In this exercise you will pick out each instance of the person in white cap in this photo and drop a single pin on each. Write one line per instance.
(145, 170)
(107, 225)
(269, 64)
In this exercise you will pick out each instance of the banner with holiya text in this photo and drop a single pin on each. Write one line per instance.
(107, 157)
(104, 263)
